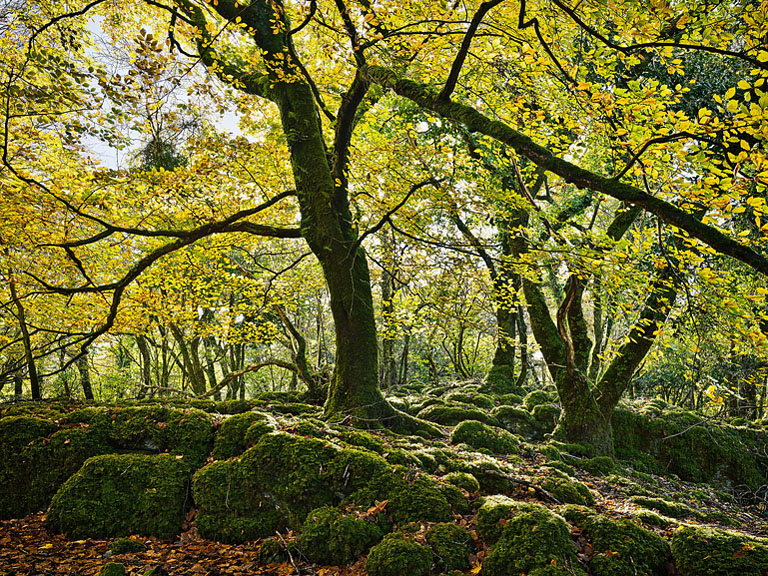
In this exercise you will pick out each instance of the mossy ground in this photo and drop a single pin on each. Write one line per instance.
(333, 492)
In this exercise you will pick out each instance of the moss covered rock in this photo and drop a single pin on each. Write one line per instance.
(546, 417)
(666, 507)
(229, 510)
(517, 420)
(482, 401)
(397, 555)
(492, 511)
(462, 480)
(36, 459)
(186, 432)
(479, 435)
(721, 455)
(122, 494)
(534, 541)
(453, 414)
(451, 546)
(565, 489)
(700, 551)
(333, 538)
(126, 546)
(536, 398)
(230, 438)
(112, 569)
(621, 548)
(599, 465)
(277, 482)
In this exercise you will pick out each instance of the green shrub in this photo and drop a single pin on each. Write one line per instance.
(122, 494)
(333, 538)
(479, 435)
(451, 546)
(398, 555)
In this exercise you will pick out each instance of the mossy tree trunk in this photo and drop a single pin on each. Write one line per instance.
(320, 176)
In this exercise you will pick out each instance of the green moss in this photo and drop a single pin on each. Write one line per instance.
(112, 569)
(653, 519)
(230, 438)
(361, 439)
(562, 467)
(451, 546)
(122, 494)
(492, 510)
(671, 509)
(536, 542)
(546, 417)
(516, 420)
(418, 500)
(501, 379)
(271, 551)
(258, 429)
(536, 398)
(455, 498)
(482, 401)
(565, 489)
(331, 537)
(621, 548)
(511, 399)
(699, 551)
(188, 432)
(295, 409)
(453, 414)
(126, 546)
(462, 480)
(33, 466)
(670, 443)
(229, 509)
(397, 555)
(549, 451)
(400, 457)
(599, 465)
(479, 435)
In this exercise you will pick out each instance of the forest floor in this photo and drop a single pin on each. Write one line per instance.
(27, 548)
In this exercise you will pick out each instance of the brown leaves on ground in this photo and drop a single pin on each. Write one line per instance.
(28, 549)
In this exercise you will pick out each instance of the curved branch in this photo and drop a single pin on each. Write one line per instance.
(477, 122)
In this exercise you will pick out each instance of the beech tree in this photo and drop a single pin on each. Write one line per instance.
(321, 66)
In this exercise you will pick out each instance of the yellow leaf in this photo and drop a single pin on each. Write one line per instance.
(744, 85)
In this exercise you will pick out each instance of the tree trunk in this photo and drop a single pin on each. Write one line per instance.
(145, 361)
(34, 379)
(85, 376)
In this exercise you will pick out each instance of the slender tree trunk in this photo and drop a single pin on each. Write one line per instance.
(145, 360)
(85, 376)
(34, 379)
(18, 385)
